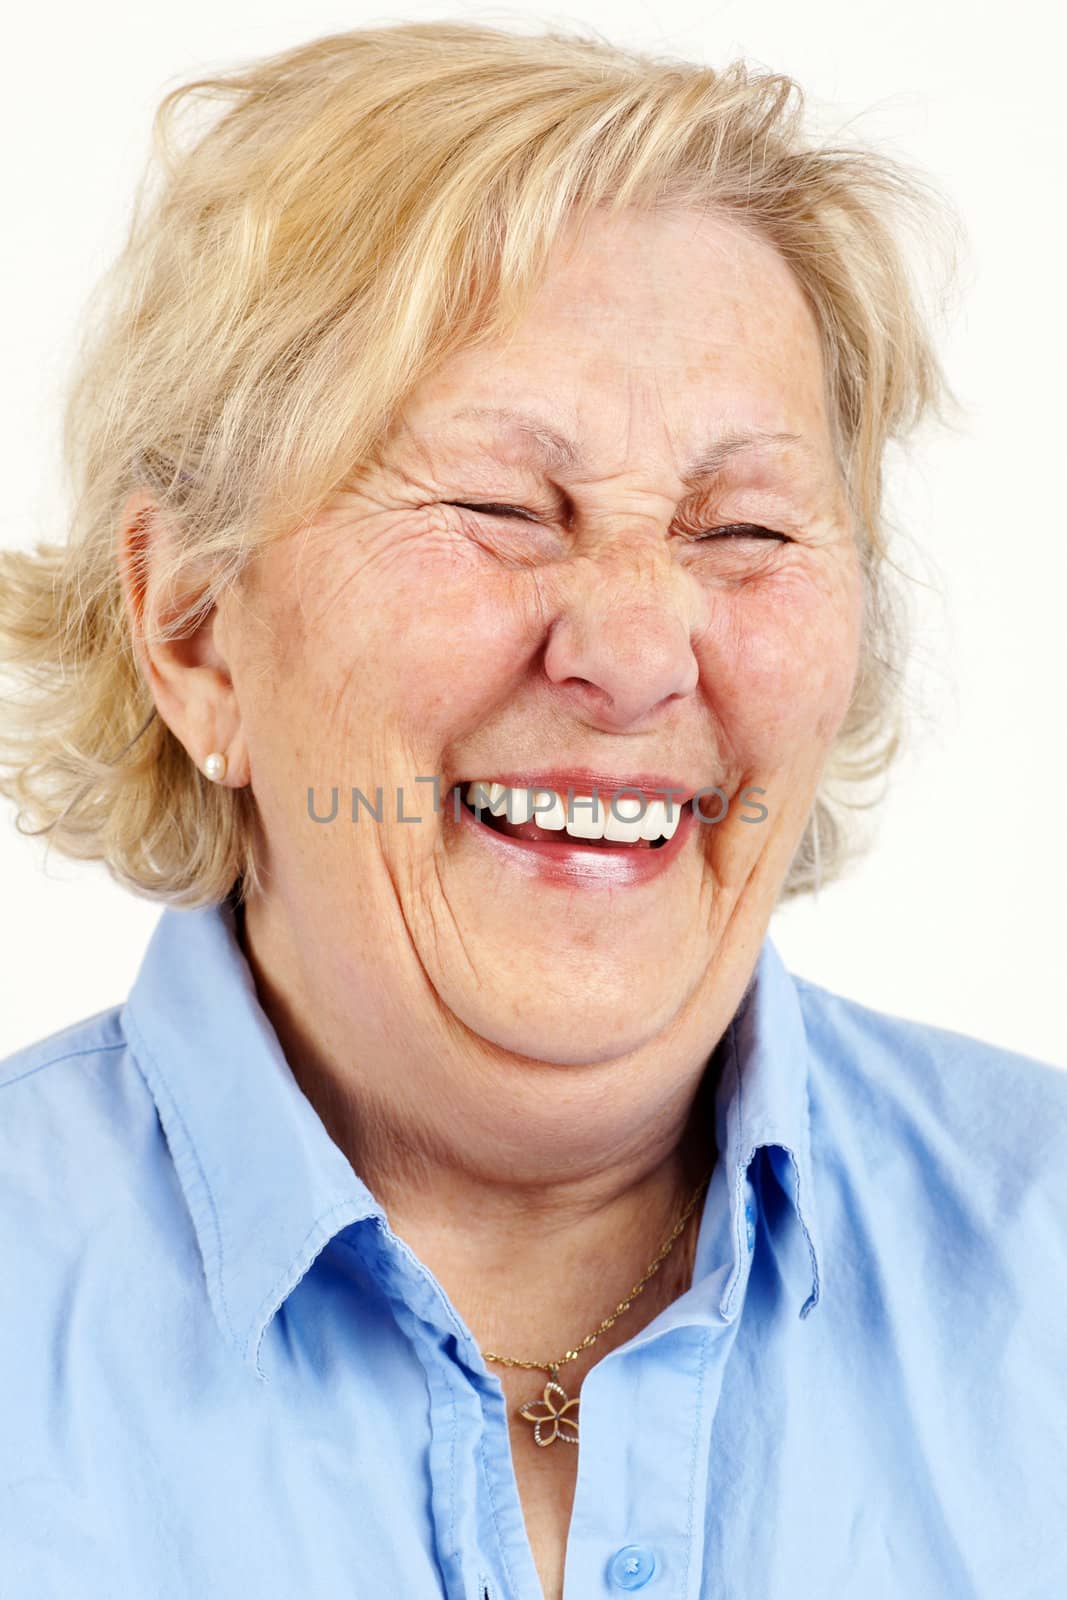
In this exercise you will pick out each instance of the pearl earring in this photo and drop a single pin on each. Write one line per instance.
(215, 766)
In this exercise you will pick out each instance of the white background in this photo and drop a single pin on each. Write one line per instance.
(957, 917)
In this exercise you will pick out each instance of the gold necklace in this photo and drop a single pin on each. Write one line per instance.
(554, 1411)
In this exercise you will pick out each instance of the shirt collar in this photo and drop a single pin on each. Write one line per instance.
(267, 1187)
(265, 1184)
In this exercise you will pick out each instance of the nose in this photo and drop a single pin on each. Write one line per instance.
(622, 639)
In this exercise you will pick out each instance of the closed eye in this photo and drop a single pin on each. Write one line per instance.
(739, 530)
(490, 510)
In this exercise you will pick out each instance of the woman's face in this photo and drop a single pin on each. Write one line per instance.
(600, 632)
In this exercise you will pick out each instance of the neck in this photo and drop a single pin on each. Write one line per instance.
(522, 1382)
(534, 1254)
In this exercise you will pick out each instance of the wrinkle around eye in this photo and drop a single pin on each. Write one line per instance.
(507, 532)
(395, 539)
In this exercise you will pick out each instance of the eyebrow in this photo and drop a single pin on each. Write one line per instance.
(558, 451)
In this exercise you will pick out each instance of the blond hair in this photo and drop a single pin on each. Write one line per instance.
(349, 214)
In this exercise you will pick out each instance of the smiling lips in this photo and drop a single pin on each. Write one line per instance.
(620, 821)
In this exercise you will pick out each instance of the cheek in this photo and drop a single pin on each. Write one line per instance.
(430, 634)
(781, 662)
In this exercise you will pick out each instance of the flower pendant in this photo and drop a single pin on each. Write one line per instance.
(550, 1414)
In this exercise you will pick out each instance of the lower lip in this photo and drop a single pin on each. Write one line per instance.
(562, 861)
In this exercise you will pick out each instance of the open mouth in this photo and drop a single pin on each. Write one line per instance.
(540, 816)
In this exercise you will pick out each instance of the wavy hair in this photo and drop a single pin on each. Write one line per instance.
(314, 234)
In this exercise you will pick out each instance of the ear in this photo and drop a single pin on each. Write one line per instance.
(190, 678)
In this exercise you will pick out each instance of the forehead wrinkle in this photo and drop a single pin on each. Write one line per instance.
(557, 451)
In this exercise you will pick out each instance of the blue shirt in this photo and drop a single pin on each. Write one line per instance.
(225, 1376)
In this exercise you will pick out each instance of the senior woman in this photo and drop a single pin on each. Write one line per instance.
(476, 615)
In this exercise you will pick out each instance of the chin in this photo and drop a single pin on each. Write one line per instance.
(552, 1028)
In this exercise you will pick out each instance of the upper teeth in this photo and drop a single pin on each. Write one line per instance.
(589, 818)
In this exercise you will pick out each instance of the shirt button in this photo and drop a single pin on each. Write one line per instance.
(632, 1566)
(750, 1223)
